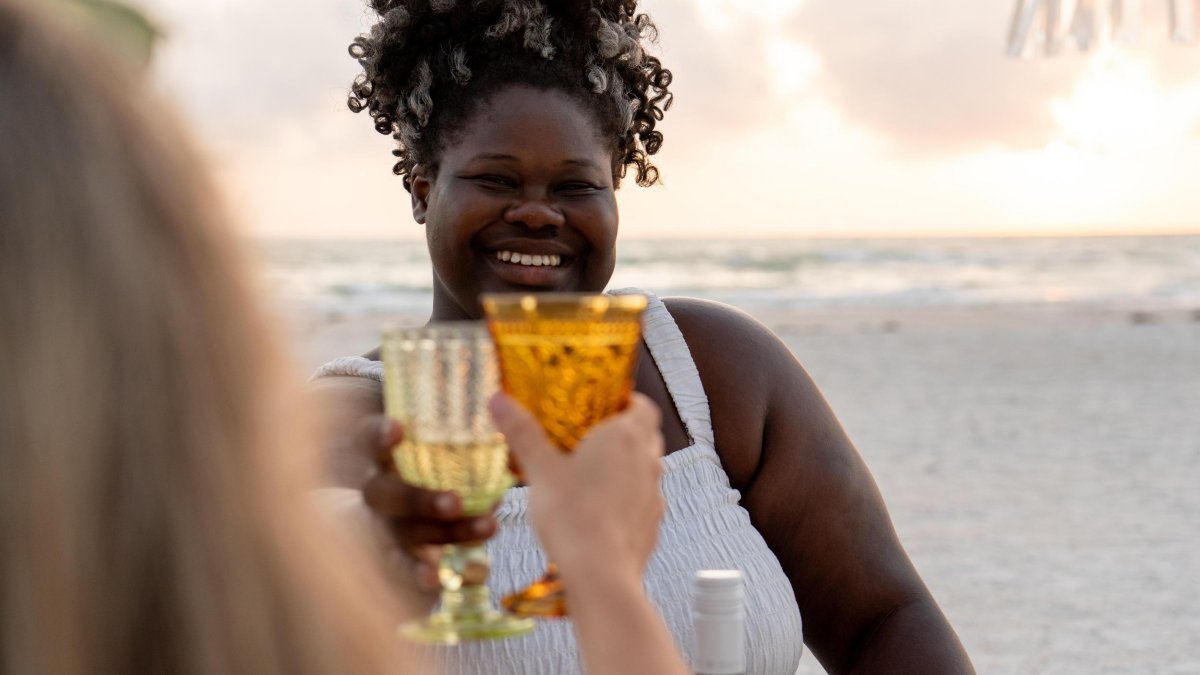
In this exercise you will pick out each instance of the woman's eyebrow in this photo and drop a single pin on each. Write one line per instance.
(504, 157)
(495, 155)
(585, 163)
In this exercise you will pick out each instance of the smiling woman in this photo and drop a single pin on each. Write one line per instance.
(515, 121)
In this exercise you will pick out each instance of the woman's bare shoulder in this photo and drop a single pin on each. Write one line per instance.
(742, 365)
(720, 328)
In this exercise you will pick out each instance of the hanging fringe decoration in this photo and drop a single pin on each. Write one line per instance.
(1183, 20)
(1046, 26)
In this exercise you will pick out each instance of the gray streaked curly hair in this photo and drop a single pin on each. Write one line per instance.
(427, 65)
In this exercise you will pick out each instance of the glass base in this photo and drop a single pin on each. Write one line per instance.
(466, 611)
(545, 598)
(448, 630)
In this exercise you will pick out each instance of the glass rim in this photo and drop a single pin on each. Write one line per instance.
(465, 329)
(564, 301)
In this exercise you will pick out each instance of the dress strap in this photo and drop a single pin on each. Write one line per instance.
(674, 361)
(351, 366)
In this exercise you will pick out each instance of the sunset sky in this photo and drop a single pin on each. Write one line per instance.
(791, 118)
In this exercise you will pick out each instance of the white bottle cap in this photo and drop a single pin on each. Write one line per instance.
(718, 617)
(719, 591)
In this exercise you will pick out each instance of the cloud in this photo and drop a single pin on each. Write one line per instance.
(931, 75)
(722, 84)
(242, 68)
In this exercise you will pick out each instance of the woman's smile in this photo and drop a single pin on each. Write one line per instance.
(532, 270)
(523, 261)
(535, 260)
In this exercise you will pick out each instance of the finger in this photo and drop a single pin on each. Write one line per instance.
(428, 554)
(422, 574)
(647, 416)
(376, 435)
(426, 577)
(638, 428)
(644, 412)
(392, 498)
(423, 563)
(526, 439)
(415, 534)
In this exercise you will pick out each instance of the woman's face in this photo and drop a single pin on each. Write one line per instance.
(523, 200)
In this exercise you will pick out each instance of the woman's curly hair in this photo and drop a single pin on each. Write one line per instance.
(428, 64)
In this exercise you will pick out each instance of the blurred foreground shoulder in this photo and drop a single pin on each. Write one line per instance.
(346, 403)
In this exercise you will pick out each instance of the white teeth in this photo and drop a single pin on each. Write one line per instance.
(532, 260)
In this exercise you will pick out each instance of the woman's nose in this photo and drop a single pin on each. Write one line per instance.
(534, 214)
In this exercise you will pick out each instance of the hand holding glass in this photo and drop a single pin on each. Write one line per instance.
(570, 359)
(437, 384)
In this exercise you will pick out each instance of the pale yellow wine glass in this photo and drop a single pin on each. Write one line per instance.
(437, 383)
(570, 359)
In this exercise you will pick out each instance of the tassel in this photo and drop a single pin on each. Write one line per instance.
(1126, 20)
(1024, 15)
(1044, 25)
(1183, 20)
(1038, 23)
(1089, 24)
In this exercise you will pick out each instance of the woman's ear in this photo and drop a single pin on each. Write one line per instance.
(420, 186)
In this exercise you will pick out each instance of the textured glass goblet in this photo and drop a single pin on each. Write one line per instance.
(437, 383)
(570, 359)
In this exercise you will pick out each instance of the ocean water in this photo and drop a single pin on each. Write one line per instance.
(377, 278)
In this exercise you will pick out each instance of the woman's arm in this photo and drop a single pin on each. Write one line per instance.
(809, 493)
(596, 512)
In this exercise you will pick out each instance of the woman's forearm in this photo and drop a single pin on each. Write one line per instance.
(620, 632)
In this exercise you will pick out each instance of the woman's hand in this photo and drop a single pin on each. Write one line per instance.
(600, 504)
(420, 520)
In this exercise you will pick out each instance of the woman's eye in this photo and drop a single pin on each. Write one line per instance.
(494, 181)
(577, 188)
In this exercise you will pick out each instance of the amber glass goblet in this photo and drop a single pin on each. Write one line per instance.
(570, 359)
(437, 384)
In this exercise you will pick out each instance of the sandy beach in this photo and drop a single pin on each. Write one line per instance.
(1039, 462)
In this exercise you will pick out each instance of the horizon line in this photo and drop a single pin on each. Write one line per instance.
(767, 236)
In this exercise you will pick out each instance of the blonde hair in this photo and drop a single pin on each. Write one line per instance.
(152, 463)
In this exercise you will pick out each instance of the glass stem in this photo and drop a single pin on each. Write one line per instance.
(463, 573)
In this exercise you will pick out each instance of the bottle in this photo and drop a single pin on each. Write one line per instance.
(719, 619)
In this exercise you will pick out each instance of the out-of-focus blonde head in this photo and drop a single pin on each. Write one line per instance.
(152, 465)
